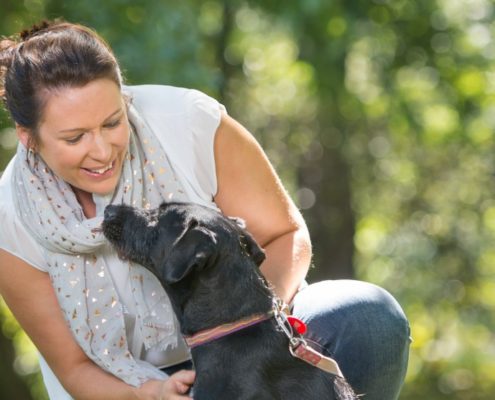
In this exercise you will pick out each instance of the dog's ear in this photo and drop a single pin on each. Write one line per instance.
(191, 252)
(252, 248)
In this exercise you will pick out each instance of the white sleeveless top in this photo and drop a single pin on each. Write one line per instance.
(189, 120)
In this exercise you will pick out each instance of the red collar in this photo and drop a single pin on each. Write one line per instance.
(209, 335)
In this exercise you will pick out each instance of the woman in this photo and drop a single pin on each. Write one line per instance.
(104, 328)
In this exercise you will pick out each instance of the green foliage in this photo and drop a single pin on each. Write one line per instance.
(378, 116)
(28, 381)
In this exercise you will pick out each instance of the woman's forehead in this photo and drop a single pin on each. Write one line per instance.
(84, 107)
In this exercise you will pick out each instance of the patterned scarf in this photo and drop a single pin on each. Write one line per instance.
(74, 251)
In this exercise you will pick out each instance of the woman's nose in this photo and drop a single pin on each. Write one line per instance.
(101, 149)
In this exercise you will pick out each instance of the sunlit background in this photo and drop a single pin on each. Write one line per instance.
(379, 117)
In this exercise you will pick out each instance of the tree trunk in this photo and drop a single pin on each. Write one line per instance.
(221, 41)
(331, 220)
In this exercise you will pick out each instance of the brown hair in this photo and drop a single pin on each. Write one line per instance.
(52, 55)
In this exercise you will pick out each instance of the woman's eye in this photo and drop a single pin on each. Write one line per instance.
(113, 124)
(74, 139)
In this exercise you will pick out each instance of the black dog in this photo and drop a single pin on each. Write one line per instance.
(208, 265)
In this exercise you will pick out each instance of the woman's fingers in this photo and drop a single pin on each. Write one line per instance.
(184, 376)
(179, 383)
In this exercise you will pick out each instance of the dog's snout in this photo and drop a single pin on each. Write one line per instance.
(110, 213)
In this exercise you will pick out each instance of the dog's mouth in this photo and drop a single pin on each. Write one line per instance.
(114, 233)
(111, 229)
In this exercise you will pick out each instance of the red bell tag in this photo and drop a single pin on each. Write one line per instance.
(297, 324)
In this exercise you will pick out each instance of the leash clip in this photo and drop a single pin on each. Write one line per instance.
(285, 325)
(281, 319)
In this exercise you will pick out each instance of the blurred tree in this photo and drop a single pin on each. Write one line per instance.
(413, 103)
(323, 168)
(12, 386)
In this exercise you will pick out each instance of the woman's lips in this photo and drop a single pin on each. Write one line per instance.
(101, 172)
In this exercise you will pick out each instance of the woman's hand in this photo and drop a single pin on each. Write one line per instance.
(177, 385)
(174, 388)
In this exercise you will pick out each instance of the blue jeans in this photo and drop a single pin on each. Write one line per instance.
(363, 328)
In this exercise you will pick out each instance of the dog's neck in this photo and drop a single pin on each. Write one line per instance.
(249, 295)
(218, 332)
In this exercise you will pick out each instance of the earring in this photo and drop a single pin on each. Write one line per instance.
(30, 155)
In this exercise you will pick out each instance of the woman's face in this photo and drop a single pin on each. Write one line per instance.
(84, 135)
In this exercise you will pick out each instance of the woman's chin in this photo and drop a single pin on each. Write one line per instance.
(102, 188)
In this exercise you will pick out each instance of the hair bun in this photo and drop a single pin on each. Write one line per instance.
(35, 29)
(7, 47)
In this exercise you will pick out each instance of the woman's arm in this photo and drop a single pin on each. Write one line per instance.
(248, 187)
(30, 296)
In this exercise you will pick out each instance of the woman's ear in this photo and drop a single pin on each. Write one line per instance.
(24, 136)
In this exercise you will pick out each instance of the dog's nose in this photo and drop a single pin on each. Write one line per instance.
(110, 212)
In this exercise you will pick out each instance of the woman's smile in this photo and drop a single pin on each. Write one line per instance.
(101, 172)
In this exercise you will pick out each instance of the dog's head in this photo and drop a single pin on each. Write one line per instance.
(190, 248)
(176, 239)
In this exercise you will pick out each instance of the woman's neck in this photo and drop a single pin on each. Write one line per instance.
(86, 201)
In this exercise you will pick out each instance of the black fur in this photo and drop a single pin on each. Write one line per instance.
(208, 265)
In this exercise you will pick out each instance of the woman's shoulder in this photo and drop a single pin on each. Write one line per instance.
(171, 100)
(153, 93)
(6, 200)
(185, 122)
(14, 237)
(164, 97)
